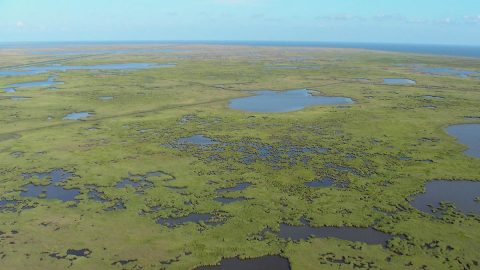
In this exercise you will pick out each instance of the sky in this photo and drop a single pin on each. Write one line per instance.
(384, 21)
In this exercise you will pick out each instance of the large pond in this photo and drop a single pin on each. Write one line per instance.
(469, 135)
(47, 83)
(31, 70)
(464, 195)
(365, 235)
(262, 263)
(286, 101)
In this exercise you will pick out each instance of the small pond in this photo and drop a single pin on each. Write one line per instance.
(469, 135)
(398, 81)
(77, 115)
(9, 90)
(464, 195)
(285, 101)
(8, 205)
(225, 200)
(16, 98)
(53, 190)
(238, 187)
(326, 182)
(138, 182)
(261, 263)
(49, 82)
(197, 140)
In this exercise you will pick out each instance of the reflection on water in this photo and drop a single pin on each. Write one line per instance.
(468, 134)
(32, 70)
(286, 101)
(398, 81)
(262, 263)
(77, 115)
(462, 194)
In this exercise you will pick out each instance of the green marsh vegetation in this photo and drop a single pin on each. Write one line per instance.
(382, 148)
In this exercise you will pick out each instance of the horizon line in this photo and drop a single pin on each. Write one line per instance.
(265, 42)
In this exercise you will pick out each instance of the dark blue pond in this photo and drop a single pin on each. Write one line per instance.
(366, 235)
(50, 192)
(462, 194)
(286, 101)
(262, 263)
(238, 187)
(469, 135)
(53, 190)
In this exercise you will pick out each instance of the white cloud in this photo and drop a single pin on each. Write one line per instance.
(19, 24)
(447, 20)
(472, 19)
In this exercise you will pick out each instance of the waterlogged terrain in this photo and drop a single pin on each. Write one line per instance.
(129, 164)
(446, 71)
(266, 262)
(32, 70)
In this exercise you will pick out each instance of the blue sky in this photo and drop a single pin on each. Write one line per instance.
(396, 21)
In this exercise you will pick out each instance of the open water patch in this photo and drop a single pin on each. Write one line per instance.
(463, 195)
(285, 101)
(469, 135)
(356, 234)
(398, 81)
(262, 263)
